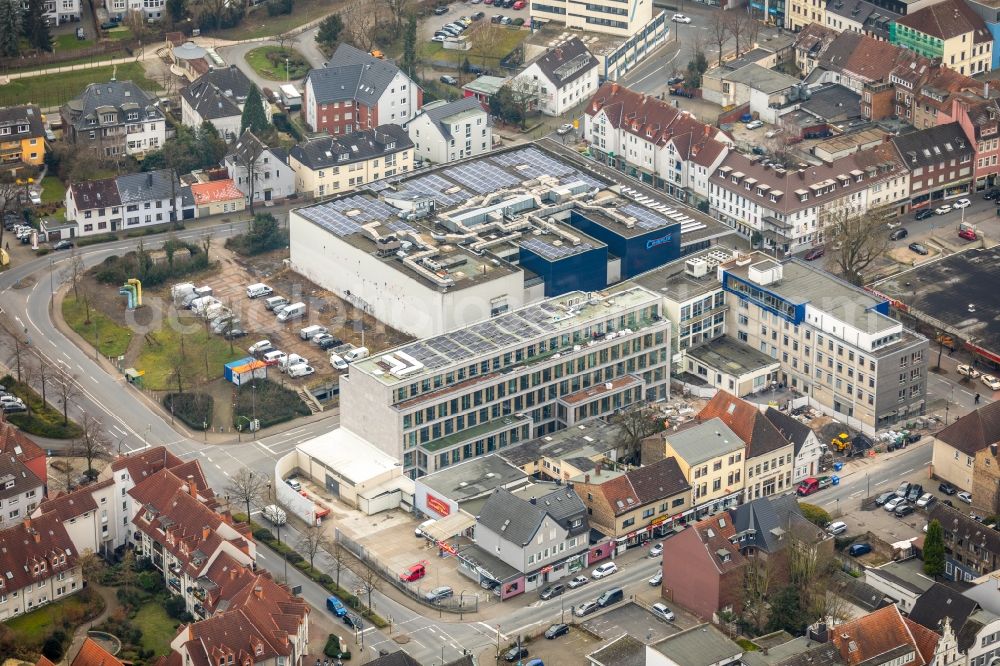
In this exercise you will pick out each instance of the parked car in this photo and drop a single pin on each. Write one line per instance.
(438, 594)
(586, 608)
(961, 203)
(674, 80)
(552, 591)
(578, 581)
(353, 621)
(565, 128)
(836, 527)
(681, 18)
(968, 371)
(329, 342)
(859, 549)
(656, 550)
(919, 249)
(300, 370)
(336, 606)
(883, 498)
(440, 11)
(941, 210)
(947, 488)
(275, 514)
(663, 612)
(604, 570)
(448, 79)
(815, 253)
(515, 653)
(967, 234)
(681, 92)
(556, 630)
(898, 234)
(991, 194)
(520, 4)
(991, 382)
(294, 484)
(926, 500)
(916, 490)
(903, 510)
(260, 347)
(755, 124)
(656, 579)
(63, 245)
(924, 214)
(234, 333)
(893, 503)
(904, 488)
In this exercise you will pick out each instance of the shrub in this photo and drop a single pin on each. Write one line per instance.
(42, 420)
(324, 579)
(174, 606)
(332, 647)
(264, 235)
(55, 645)
(194, 409)
(138, 264)
(42, 251)
(149, 581)
(293, 557)
(262, 534)
(274, 403)
(95, 240)
(814, 514)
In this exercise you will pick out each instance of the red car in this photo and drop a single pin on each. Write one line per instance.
(414, 572)
(968, 234)
(520, 4)
(815, 253)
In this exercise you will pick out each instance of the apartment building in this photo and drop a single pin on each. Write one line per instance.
(801, 14)
(711, 457)
(836, 343)
(58, 12)
(22, 137)
(611, 18)
(789, 209)
(114, 118)
(92, 516)
(356, 91)
(330, 165)
(633, 507)
(560, 78)
(441, 400)
(149, 198)
(20, 490)
(653, 141)
(14, 441)
(445, 131)
(941, 162)
(273, 177)
(979, 120)
(860, 16)
(808, 449)
(151, 10)
(38, 565)
(965, 455)
(949, 30)
(219, 97)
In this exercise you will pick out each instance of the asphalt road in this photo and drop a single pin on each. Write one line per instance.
(304, 43)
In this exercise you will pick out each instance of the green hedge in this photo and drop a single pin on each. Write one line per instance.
(194, 409)
(41, 420)
(94, 240)
(272, 404)
(334, 649)
(158, 229)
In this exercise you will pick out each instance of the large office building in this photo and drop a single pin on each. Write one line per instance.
(430, 252)
(836, 343)
(531, 371)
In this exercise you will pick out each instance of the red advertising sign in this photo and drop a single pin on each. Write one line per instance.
(438, 506)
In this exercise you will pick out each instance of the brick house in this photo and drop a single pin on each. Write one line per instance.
(357, 91)
(886, 637)
(979, 118)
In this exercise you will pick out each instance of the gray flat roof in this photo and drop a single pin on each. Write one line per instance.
(474, 477)
(905, 575)
(704, 441)
(732, 357)
(699, 646)
(587, 439)
(957, 293)
(672, 281)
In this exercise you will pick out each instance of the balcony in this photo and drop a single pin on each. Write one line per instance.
(198, 594)
(174, 584)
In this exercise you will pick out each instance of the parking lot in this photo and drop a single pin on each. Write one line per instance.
(630, 618)
(459, 9)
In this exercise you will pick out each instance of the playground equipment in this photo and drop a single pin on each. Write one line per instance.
(133, 290)
(138, 290)
(129, 292)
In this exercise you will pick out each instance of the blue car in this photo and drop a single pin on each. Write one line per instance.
(859, 549)
(336, 606)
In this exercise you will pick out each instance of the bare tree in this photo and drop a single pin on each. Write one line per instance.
(247, 488)
(636, 423)
(398, 11)
(757, 579)
(20, 348)
(28, 372)
(369, 580)
(10, 201)
(44, 374)
(859, 237)
(137, 23)
(93, 442)
(67, 392)
(718, 30)
(92, 565)
(736, 21)
(313, 540)
(484, 39)
(77, 269)
(523, 94)
(751, 30)
(360, 21)
(127, 573)
(341, 558)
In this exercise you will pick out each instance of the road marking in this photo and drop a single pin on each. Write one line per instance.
(94, 379)
(493, 630)
(968, 393)
(115, 427)
(908, 471)
(857, 493)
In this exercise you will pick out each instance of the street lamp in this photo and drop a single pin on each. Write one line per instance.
(286, 70)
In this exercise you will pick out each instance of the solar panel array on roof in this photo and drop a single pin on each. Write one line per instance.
(482, 181)
(345, 216)
(645, 218)
(553, 252)
(436, 187)
(533, 163)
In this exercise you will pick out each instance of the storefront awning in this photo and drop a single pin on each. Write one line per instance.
(450, 526)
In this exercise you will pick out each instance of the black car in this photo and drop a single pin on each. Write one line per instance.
(440, 11)
(898, 234)
(919, 249)
(110, 24)
(992, 194)
(477, 16)
(556, 630)
(674, 80)
(63, 245)
(234, 333)
(328, 343)
(947, 488)
(353, 621)
(884, 497)
(916, 490)
(925, 213)
(680, 92)
(515, 653)
(552, 591)
(903, 510)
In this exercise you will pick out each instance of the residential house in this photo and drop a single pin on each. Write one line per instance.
(357, 91)
(443, 131)
(92, 654)
(217, 197)
(20, 490)
(14, 441)
(114, 118)
(808, 449)
(940, 160)
(811, 43)
(653, 141)
(769, 455)
(273, 178)
(92, 517)
(710, 456)
(962, 449)
(942, 606)
(95, 206)
(885, 636)
(560, 78)
(860, 16)
(22, 137)
(149, 198)
(182, 533)
(971, 549)
(789, 209)
(949, 30)
(58, 12)
(151, 10)
(800, 14)
(902, 582)
(38, 564)
(644, 503)
(836, 343)
(926, 100)
(979, 118)
(764, 90)
(330, 165)
(543, 537)
(849, 58)
(701, 645)
(219, 97)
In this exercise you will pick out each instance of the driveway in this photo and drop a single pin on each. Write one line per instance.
(304, 43)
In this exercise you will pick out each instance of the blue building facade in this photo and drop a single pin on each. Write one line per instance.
(583, 270)
(639, 253)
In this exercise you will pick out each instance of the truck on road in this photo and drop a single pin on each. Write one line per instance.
(812, 484)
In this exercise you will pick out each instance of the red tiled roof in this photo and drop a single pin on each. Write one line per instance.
(747, 421)
(947, 19)
(879, 633)
(12, 440)
(146, 463)
(44, 661)
(215, 191)
(925, 639)
(70, 505)
(33, 551)
(92, 654)
(644, 485)
(715, 533)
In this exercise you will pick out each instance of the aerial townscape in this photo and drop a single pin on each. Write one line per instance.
(468, 332)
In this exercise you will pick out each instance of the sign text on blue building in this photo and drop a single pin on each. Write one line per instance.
(650, 244)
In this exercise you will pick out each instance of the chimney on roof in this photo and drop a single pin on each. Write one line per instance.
(232, 573)
(614, 88)
(533, 500)
(586, 479)
(258, 591)
(993, 449)
(205, 531)
(27, 524)
(192, 486)
(597, 468)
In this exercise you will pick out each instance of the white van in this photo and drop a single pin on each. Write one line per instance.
(258, 290)
(300, 370)
(338, 363)
(200, 305)
(310, 332)
(293, 311)
(275, 301)
(274, 357)
(275, 514)
(291, 360)
(213, 310)
(356, 354)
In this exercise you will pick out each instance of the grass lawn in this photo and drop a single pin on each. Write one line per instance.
(202, 360)
(258, 24)
(53, 190)
(507, 39)
(113, 338)
(69, 42)
(118, 34)
(158, 629)
(269, 62)
(56, 89)
(34, 627)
